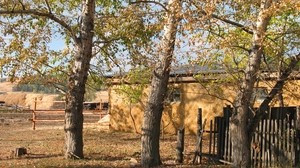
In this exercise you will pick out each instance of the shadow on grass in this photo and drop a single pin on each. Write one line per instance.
(132, 139)
(41, 156)
(105, 158)
(32, 156)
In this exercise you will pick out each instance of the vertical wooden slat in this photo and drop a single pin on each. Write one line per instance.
(263, 144)
(200, 131)
(293, 141)
(214, 137)
(272, 143)
(210, 137)
(260, 144)
(297, 127)
(252, 149)
(267, 142)
(258, 155)
(284, 140)
(230, 146)
(292, 136)
(219, 137)
(276, 131)
(288, 136)
(280, 129)
(227, 139)
(226, 145)
(225, 134)
(257, 147)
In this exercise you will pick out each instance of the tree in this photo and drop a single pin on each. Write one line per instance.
(246, 38)
(31, 25)
(152, 116)
(82, 36)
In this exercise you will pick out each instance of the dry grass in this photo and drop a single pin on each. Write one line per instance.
(102, 149)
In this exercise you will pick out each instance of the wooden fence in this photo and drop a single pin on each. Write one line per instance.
(91, 114)
(275, 142)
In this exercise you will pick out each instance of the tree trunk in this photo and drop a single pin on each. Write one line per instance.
(241, 140)
(152, 116)
(76, 84)
(240, 117)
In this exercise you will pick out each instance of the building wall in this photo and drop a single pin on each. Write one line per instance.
(128, 117)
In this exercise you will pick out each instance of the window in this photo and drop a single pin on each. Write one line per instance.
(259, 94)
(174, 95)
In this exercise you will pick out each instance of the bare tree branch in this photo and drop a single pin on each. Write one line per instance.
(244, 28)
(48, 6)
(106, 41)
(42, 14)
(154, 2)
(23, 6)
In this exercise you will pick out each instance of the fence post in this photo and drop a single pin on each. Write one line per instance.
(297, 139)
(200, 132)
(199, 121)
(180, 145)
(226, 139)
(33, 114)
(218, 122)
(100, 108)
(197, 155)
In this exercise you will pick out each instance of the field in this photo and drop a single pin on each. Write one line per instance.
(102, 148)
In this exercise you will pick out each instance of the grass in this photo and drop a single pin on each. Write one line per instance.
(102, 149)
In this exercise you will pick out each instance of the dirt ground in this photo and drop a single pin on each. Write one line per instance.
(101, 148)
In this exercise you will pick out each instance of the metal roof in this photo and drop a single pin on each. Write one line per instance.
(189, 70)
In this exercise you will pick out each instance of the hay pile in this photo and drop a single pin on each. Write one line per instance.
(44, 101)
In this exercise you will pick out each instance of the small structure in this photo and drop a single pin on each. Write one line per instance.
(20, 151)
(2, 103)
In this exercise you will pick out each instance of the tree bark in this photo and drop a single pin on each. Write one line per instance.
(240, 116)
(152, 116)
(76, 84)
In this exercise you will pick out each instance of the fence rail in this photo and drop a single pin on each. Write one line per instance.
(57, 115)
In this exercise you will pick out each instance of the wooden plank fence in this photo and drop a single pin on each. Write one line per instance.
(57, 115)
(275, 142)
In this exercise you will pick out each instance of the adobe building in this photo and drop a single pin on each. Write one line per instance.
(187, 94)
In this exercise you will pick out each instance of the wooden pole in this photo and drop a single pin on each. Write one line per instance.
(100, 108)
(180, 145)
(198, 151)
(33, 114)
(210, 138)
(200, 133)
